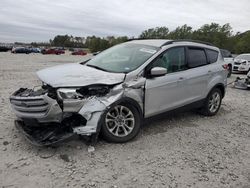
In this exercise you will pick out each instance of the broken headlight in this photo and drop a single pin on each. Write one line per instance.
(68, 93)
(97, 90)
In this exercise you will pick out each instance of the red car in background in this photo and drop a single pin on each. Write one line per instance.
(79, 52)
(53, 51)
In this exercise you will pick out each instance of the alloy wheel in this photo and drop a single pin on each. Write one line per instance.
(120, 121)
(214, 102)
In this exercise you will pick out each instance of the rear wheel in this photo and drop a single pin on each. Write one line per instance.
(212, 103)
(120, 123)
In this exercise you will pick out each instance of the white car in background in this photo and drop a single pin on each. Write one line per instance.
(242, 63)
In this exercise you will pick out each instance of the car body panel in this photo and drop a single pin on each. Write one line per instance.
(164, 93)
(61, 76)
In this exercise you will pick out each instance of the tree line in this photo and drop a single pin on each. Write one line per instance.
(221, 36)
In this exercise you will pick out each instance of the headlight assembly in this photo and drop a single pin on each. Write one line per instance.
(244, 63)
(68, 93)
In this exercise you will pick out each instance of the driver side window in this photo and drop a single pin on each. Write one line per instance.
(173, 60)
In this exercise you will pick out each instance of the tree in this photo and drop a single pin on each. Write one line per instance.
(183, 32)
(243, 42)
(67, 41)
(155, 33)
(219, 35)
(214, 33)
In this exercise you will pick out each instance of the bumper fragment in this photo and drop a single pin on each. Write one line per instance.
(43, 136)
(242, 83)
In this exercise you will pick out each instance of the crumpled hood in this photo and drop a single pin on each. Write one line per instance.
(75, 75)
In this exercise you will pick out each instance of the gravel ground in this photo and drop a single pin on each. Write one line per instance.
(172, 150)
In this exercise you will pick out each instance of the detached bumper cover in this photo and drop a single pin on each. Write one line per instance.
(242, 83)
(42, 136)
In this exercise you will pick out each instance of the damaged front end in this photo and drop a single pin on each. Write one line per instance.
(48, 115)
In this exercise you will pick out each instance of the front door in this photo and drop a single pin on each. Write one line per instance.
(169, 91)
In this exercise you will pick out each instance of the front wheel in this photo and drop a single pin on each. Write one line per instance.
(212, 103)
(120, 123)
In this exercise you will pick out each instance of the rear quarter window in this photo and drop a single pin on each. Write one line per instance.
(196, 57)
(212, 55)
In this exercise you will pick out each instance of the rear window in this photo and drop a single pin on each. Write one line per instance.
(212, 55)
(196, 57)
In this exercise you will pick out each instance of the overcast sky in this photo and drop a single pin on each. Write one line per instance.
(41, 20)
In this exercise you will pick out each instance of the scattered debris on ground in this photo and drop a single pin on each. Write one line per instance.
(242, 83)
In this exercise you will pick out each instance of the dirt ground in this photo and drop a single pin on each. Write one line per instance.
(173, 150)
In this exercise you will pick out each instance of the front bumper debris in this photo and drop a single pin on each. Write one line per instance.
(46, 120)
(44, 135)
(242, 83)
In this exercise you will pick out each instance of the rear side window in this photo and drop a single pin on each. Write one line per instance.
(212, 55)
(196, 57)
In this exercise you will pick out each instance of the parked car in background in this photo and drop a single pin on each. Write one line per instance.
(79, 52)
(53, 51)
(242, 63)
(4, 49)
(21, 50)
(228, 58)
(112, 92)
(35, 50)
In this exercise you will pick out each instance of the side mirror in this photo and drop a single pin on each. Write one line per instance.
(96, 53)
(158, 71)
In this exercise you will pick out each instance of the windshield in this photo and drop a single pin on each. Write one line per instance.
(244, 57)
(124, 58)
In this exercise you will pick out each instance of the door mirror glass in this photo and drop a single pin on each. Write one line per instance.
(158, 71)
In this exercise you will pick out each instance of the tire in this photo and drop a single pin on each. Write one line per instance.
(115, 127)
(212, 105)
(229, 71)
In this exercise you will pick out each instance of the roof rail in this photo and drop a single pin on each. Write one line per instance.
(197, 41)
(168, 42)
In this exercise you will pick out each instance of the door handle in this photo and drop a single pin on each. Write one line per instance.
(180, 79)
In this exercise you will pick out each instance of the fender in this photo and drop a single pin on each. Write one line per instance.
(221, 87)
(217, 81)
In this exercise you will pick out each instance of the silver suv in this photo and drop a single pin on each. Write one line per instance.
(114, 91)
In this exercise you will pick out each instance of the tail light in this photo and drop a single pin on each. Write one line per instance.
(225, 66)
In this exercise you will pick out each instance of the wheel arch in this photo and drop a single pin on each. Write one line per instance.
(123, 100)
(221, 87)
(132, 102)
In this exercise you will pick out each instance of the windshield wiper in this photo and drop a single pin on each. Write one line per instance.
(96, 67)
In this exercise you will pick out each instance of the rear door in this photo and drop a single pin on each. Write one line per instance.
(198, 73)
